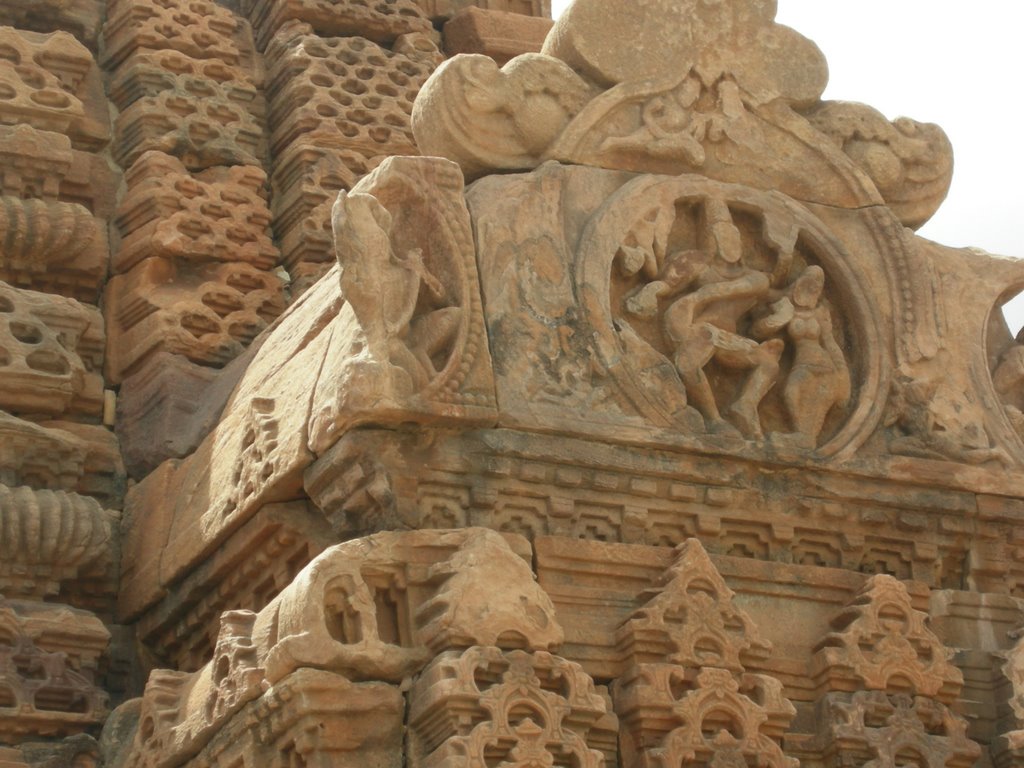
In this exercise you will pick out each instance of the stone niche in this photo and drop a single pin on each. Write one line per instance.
(629, 423)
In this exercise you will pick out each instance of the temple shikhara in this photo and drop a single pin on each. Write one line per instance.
(428, 384)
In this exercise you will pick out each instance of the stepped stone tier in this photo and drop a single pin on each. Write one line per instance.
(428, 384)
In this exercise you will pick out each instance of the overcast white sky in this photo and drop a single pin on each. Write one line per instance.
(942, 61)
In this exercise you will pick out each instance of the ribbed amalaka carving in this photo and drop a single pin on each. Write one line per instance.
(47, 245)
(34, 230)
(51, 527)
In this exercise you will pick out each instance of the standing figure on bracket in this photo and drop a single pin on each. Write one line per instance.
(383, 290)
(703, 324)
(819, 378)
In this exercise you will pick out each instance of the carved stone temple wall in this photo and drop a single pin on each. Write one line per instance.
(426, 384)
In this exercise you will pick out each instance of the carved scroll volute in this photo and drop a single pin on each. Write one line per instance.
(411, 344)
(424, 200)
(669, 265)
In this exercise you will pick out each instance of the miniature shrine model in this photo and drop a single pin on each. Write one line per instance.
(428, 384)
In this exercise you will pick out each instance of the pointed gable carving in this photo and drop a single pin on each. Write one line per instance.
(690, 620)
(880, 642)
(685, 697)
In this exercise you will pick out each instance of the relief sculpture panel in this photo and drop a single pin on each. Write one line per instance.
(711, 312)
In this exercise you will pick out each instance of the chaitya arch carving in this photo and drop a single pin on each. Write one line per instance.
(731, 312)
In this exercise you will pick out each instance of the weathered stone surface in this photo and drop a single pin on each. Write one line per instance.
(205, 312)
(417, 349)
(661, 312)
(200, 121)
(49, 657)
(306, 182)
(378, 20)
(439, 10)
(930, 414)
(78, 751)
(497, 34)
(310, 717)
(424, 359)
(486, 118)
(61, 456)
(167, 407)
(518, 482)
(689, 636)
(305, 275)
(910, 163)
(882, 644)
(12, 758)
(255, 455)
(51, 353)
(201, 29)
(153, 409)
(248, 571)
(888, 729)
(711, 40)
(51, 82)
(1008, 744)
(148, 73)
(694, 318)
(35, 161)
(346, 91)
(385, 628)
(890, 683)
(219, 214)
(290, 419)
(51, 537)
(79, 17)
(339, 106)
(712, 94)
